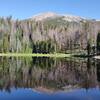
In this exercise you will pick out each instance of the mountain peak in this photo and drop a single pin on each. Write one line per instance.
(42, 16)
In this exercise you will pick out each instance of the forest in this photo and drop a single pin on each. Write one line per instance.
(48, 36)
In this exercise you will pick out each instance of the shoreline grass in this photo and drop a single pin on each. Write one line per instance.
(34, 55)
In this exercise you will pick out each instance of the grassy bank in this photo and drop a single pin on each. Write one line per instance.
(34, 55)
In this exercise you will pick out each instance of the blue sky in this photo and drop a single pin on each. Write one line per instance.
(22, 9)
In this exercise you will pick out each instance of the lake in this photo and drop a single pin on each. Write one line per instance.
(37, 78)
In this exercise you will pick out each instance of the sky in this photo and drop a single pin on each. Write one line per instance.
(23, 9)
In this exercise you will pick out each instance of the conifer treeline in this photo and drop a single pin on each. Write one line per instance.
(55, 35)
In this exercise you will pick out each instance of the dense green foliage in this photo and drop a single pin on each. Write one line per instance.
(98, 43)
(43, 47)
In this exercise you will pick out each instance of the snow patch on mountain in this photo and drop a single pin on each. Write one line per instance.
(71, 18)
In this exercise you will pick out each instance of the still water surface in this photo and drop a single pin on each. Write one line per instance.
(26, 78)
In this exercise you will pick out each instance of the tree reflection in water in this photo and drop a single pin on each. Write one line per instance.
(48, 74)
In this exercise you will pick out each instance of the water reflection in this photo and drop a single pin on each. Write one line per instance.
(48, 74)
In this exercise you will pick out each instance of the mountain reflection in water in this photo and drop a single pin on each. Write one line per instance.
(48, 75)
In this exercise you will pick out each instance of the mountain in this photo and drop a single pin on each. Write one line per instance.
(44, 16)
(48, 33)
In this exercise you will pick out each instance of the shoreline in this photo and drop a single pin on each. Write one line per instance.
(34, 55)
